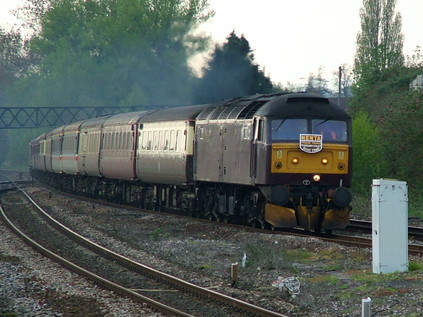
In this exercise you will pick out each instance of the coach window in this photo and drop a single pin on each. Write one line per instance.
(148, 141)
(166, 140)
(172, 140)
(108, 140)
(125, 140)
(155, 140)
(178, 141)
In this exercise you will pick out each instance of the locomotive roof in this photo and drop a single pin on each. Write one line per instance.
(302, 104)
(274, 105)
(175, 113)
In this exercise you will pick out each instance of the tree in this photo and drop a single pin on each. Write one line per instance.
(317, 84)
(113, 52)
(231, 72)
(12, 60)
(379, 44)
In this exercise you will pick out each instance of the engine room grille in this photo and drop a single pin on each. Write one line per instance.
(236, 109)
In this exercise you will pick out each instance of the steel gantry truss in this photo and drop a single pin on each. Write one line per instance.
(37, 117)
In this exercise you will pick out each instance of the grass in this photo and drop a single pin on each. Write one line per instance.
(415, 266)
(9, 259)
(267, 255)
(362, 204)
(324, 279)
(159, 234)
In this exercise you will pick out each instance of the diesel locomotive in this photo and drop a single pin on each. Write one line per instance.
(280, 160)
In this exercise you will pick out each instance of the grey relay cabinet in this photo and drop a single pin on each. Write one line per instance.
(389, 226)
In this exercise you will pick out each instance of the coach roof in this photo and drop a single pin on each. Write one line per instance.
(172, 114)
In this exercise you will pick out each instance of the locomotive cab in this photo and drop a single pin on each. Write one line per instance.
(301, 163)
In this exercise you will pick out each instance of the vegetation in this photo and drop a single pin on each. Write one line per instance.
(231, 72)
(113, 53)
(268, 255)
(379, 44)
(387, 115)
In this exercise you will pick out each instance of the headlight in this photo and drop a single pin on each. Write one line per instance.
(325, 161)
(316, 178)
(295, 161)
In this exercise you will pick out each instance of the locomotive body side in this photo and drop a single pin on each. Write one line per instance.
(223, 151)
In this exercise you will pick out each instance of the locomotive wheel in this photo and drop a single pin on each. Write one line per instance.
(260, 217)
(258, 220)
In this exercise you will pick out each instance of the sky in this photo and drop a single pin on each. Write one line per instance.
(293, 38)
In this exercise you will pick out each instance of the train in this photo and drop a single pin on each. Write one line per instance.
(279, 160)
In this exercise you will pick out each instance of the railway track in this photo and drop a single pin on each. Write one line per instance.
(414, 232)
(162, 292)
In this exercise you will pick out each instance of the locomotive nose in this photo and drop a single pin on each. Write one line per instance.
(342, 197)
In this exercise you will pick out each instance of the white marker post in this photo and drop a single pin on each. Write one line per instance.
(366, 307)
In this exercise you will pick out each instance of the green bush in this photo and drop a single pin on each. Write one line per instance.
(368, 160)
